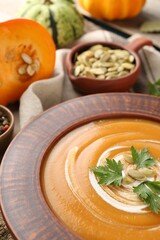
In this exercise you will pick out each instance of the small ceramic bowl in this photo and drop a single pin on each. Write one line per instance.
(88, 85)
(6, 136)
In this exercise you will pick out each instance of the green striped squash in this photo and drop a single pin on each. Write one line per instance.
(59, 17)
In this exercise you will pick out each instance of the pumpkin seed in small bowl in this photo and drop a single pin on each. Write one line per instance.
(102, 62)
(97, 67)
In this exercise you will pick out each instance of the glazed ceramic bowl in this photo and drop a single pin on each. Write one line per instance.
(25, 208)
(6, 136)
(88, 85)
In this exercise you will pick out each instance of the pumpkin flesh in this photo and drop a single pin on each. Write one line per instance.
(17, 37)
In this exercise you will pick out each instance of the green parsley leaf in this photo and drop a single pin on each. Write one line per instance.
(111, 173)
(154, 88)
(142, 158)
(150, 26)
(149, 192)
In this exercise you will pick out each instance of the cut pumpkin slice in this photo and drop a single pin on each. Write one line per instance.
(27, 55)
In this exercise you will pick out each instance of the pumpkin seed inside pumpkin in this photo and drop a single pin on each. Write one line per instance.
(26, 58)
(29, 66)
(22, 69)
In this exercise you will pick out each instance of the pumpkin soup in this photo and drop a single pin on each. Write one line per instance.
(97, 211)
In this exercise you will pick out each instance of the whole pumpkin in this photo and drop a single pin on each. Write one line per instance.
(60, 17)
(112, 9)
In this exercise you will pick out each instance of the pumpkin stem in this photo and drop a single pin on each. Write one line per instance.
(48, 2)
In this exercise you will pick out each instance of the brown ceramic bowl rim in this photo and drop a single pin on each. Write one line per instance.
(11, 119)
(84, 46)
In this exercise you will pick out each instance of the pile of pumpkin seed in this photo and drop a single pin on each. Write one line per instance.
(101, 62)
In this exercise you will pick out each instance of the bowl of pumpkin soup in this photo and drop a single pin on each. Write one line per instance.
(90, 170)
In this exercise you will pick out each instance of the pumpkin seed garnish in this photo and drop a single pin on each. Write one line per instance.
(143, 181)
(136, 174)
(127, 180)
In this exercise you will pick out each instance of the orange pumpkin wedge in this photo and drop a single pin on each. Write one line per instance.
(27, 55)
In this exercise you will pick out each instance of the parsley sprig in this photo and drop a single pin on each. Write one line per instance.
(154, 88)
(142, 158)
(149, 192)
(111, 173)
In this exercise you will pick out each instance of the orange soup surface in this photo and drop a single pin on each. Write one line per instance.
(73, 194)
